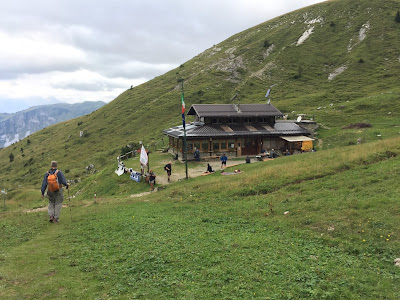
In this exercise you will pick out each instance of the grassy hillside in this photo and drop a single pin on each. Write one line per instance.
(321, 225)
(361, 37)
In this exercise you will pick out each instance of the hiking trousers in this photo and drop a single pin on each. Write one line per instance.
(55, 203)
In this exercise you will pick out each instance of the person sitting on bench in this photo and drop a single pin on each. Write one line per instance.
(273, 154)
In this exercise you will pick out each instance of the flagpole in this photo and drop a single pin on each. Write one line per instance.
(184, 130)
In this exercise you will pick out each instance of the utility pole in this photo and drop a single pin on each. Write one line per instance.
(184, 127)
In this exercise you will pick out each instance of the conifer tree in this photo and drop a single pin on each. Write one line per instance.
(11, 157)
(397, 18)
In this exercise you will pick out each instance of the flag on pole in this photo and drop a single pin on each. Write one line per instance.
(183, 110)
(267, 94)
(143, 156)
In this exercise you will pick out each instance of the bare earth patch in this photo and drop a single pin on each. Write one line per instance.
(43, 208)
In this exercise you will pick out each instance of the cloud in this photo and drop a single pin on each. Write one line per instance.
(75, 50)
(70, 87)
(87, 81)
(36, 54)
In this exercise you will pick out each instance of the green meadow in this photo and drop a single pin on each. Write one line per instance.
(320, 225)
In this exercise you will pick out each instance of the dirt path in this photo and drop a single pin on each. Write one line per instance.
(177, 174)
(193, 172)
(43, 208)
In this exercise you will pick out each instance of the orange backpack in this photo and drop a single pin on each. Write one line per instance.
(52, 182)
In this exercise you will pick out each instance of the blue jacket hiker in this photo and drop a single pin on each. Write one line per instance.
(223, 160)
(53, 181)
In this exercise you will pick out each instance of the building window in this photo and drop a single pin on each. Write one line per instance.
(231, 145)
(197, 145)
(269, 144)
(204, 146)
(223, 145)
(263, 120)
(215, 145)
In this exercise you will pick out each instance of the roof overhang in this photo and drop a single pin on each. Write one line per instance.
(296, 138)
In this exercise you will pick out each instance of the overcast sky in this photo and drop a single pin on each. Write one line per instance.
(85, 50)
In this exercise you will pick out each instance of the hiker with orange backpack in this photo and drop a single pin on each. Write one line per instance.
(53, 181)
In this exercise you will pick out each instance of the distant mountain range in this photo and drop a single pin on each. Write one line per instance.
(16, 126)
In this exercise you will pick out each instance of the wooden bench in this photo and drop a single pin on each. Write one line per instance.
(209, 157)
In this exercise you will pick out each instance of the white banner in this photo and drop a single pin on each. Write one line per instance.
(143, 156)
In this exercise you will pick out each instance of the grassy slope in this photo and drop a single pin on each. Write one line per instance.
(199, 239)
(365, 92)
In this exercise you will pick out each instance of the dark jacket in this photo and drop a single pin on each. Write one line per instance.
(60, 177)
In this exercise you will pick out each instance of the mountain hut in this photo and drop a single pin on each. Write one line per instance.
(237, 130)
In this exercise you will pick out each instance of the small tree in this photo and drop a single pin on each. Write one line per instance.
(397, 18)
(267, 44)
(299, 73)
(11, 157)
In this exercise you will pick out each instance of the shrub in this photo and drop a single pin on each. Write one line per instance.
(266, 44)
(358, 125)
(125, 150)
(29, 162)
(11, 157)
(397, 18)
(299, 73)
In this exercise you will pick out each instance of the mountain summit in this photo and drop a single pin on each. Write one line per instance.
(21, 124)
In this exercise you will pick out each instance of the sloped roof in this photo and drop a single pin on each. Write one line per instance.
(233, 110)
(199, 129)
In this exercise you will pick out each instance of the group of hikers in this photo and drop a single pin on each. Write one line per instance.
(54, 179)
